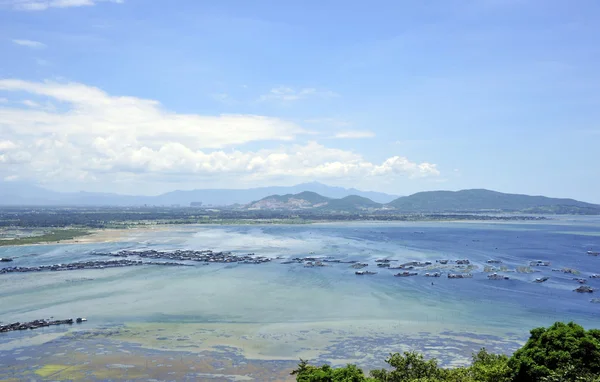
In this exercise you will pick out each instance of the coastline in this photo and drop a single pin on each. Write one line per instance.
(111, 235)
(97, 235)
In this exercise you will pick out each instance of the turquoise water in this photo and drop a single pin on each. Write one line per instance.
(278, 311)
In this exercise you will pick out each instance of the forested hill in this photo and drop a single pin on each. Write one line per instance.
(486, 200)
(476, 200)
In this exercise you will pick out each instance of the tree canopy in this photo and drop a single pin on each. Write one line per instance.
(560, 353)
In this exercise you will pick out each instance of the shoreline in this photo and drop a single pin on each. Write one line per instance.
(92, 236)
(113, 235)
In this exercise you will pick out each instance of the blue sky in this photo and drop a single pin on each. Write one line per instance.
(148, 96)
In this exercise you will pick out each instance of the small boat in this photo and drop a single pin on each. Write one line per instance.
(541, 279)
(5, 259)
(494, 261)
(593, 253)
(383, 265)
(580, 281)
(405, 274)
(595, 276)
(584, 289)
(435, 274)
(460, 276)
(359, 265)
(443, 262)
(539, 263)
(495, 276)
(362, 273)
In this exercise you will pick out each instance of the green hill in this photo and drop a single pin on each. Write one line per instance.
(486, 200)
(311, 197)
(351, 203)
(304, 199)
(477, 200)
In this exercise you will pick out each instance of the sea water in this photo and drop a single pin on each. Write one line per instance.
(280, 311)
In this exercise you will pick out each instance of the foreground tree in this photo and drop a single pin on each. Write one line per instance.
(410, 366)
(560, 353)
(325, 373)
(490, 367)
(566, 350)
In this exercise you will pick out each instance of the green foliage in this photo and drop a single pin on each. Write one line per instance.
(561, 349)
(560, 353)
(490, 367)
(325, 373)
(409, 367)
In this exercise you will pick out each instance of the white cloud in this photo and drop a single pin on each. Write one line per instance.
(6, 145)
(287, 94)
(29, 43)
(354, 134)
(41, 5)
(93, 113)
(92, 136)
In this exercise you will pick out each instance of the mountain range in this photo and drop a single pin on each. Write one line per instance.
(475, 200)
(17, 193)
(307, 196)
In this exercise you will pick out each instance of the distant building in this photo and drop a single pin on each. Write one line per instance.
(196, 204)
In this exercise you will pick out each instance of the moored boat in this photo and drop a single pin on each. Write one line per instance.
(362, 273)
(539, 263)
(460, 275)
(584, 289)
(405, 274)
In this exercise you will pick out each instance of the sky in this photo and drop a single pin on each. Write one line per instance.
(148, 96)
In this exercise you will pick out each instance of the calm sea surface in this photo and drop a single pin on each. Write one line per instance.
(270, 315)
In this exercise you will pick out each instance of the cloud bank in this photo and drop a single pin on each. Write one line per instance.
(79, 133)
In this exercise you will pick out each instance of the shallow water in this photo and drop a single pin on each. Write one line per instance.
(284, 311)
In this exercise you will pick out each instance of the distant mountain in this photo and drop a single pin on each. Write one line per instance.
(243, 196)
(486, 200)
(312, 200)
(351, 203)
(305, 199)
(431, 202)
(307, 196)
(17, 193)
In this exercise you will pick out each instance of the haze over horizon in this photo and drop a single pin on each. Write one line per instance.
(142, 98)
